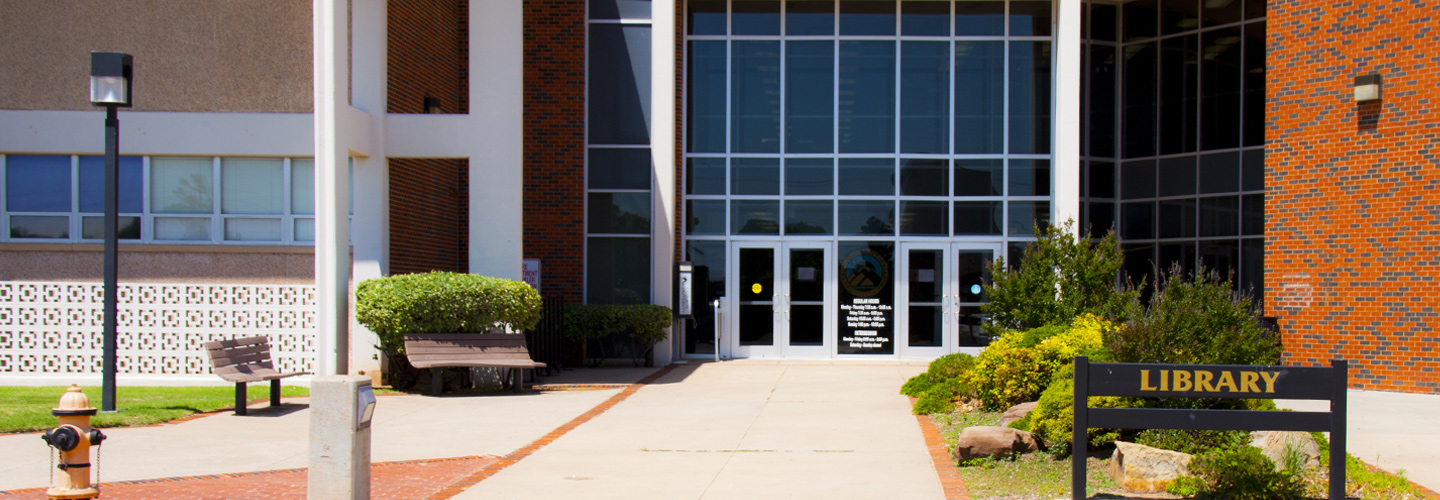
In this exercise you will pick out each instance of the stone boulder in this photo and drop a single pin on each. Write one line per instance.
(1141, 468)
(1016, 413)
(995, 442)
(1274, 443)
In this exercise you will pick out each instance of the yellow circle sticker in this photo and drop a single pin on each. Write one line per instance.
(755, 288)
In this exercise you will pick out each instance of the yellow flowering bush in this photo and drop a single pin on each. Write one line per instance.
(1018, 366)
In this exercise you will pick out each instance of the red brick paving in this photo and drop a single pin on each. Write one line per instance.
(945, 467)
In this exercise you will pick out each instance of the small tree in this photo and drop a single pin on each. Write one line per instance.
(1195, 318)
(1060, 278)
(643, 325)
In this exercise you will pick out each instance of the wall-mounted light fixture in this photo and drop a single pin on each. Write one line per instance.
(432, 105)
(1367, 88)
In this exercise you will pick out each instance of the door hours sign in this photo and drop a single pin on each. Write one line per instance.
(1210, 381)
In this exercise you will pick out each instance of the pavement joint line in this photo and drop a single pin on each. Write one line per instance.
(945, 470)
(500, 464)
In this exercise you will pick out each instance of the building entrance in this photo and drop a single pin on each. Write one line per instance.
(785, 299)
(941, 294)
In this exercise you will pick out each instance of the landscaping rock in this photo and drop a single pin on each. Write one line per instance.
(1141, 468)
(1016, 412)
(995, 442)
(1274, 443)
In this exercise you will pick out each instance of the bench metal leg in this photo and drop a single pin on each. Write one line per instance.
(437, 381)
(240, 398)
(519, 376)
(275, 392)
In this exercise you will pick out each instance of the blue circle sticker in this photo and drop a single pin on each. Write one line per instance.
(975, 289)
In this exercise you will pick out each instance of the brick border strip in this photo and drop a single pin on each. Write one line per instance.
(495, 467)
(945, 469)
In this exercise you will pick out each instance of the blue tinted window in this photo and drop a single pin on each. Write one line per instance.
(35, 183)
(867, 17)
(809, 17)
(867, 97)
(755, 94)
(755, 17)
(924, 97)
(810, 97)
(617, 271)
(619, 100)
(707, 97)
(619, 9)
(92, 184)
(613, 168)
(1029, 97)
(979, 18)
(980, 106)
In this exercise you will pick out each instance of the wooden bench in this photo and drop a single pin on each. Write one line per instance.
(442, 350)
(243, 361)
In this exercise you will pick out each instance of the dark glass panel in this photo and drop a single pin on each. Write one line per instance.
(755, 176)
(1030, 18)
(757, 296)
(809, 217)
(979, 177)
(93, 228)
(867, 97)
(1254, 9)
(614, 168)
(706, 100)
(927, 325)
(1220, 89)
(619, 103)
(1219, 173)
(1252, 214)
(1016, 254)
(1217, 12)
(809, 176)
(925, 17)
(1102, 179)
(705, 217)
(1028, 217)
(617, 271)
(755, 17)
(707, 17)
(980, 97)
(924, 218)
(1220, 216)
(1252, 268)
(1177, 218)
(620, 9)
(1222, 256)
(1177, 176)
(1102, 219)
(807, 276)
(130, 188)
(978, 217)
(809, 17)
(1140, 19)
(972, 274)
(1137, 220)
(1253, 168)
(755, 97)
(1102, 21)
(39, 226)
(1179, 15)
(1179, 79)
(757, 324)
(1140, 97)
(1139, 265)
(924, 97)
(754, 217)
(807, 324)
(926, 276)
(1029, 177)
(867, 176)
(1254, 84)
(1029, 97)
(1101, 112)
(618, 213)
(708, 256)
(37, 183)
(707, 176)
(924, 177)
(1137, 179)
(810, 97)
(1180, 253)
(866, 217)
(979, 18)
(973, 331)
(867, 17)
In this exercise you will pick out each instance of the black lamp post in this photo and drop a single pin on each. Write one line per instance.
(110, 74)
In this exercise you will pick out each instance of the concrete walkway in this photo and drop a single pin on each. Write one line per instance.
(1390, 430)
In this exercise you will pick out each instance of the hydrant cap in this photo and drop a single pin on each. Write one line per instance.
(74, 402)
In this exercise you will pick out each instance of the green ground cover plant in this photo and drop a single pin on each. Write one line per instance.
(27, 409)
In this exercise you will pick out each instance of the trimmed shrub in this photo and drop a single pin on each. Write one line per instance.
(1195, 319)
(442, 302)
(1052, 420)
(1059, 278)
(1239, 473)
(1018, 366)
(941, 397)
(643, 325)
(943, 368)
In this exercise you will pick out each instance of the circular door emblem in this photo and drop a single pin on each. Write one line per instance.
(864, 273)
(975, 289)
(756, 288)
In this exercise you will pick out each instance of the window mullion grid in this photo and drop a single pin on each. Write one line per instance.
(784, 118)
(217, 218)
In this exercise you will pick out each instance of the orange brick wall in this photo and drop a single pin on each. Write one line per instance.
(1352, 237)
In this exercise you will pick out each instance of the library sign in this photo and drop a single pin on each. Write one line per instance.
(1210, 381)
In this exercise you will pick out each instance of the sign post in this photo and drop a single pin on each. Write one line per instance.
(1209, 381)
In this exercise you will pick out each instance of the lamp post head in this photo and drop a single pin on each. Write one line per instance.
(110, 75)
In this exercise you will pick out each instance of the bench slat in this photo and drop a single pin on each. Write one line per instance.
(241, 359)
(477, 363)
(240, 342)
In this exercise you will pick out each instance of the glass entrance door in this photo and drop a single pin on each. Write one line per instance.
(940, 295)
(785, 300)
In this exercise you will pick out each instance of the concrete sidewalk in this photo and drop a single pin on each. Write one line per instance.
(1390, 430)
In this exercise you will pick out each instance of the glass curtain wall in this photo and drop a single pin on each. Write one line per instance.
(1174, 150)
(864, 120)
(617, 177)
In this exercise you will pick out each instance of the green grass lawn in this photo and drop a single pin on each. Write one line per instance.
(27, 409)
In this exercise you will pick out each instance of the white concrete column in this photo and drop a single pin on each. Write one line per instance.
(332, 256)
(662, 153)
(1066, 113)
(495, 149)
(370, 232)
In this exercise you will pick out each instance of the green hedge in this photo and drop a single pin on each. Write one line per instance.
(442, 302)
(643, 324)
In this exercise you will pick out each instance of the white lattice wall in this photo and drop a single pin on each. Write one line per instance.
(55, 328)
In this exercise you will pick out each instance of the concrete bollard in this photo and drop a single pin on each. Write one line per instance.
(340, 411)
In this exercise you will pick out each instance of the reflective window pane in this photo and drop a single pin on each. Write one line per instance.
(1174, 254)
(925, 17)
(1102, 180)
(305, 230)
(1137, 221)
(706, 99)
(1029, 217)
(979, 177)
(1029, 177)
(867, 97)
(1222, 256)
(619, 84)
(866, 217)
(92, 184)
(1177, 218)
(756, 17)
(755, 176)
(1254, 84)
(924, 97)
(37, 183)
(707, 176)
(1220, 89)
(1140, 97)
(1030, 18)
(612, 168)
(809, 176)
(1254, 170)
(705, 217)
(39, 226)
(706, 17)
(1252, 267)
(809, 217)
(1177, 176)
(1179, 92)
(1220, 216)
(978, 217)
(924, 218)
(1140, 18)
(93, 228)
(618, 213)
(867, 177)
(1217, 12)
(979, 97)
(979, 18)
(924, 177)
(1102, 21)
(755, 97)
(1252, 213)
(810, 97)
(809, 17)
(181, 186)
(1101, 109)
(302, 186)
(1029, 97)
(1137, 179)
(617, 271)
(252, 229)
(1180, 15)
(867, 17)
(754, 217)
(619, 9)
(182, 228)
(1219, 173)
(252, 186)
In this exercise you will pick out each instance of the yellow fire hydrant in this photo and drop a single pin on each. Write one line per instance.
(73, 438)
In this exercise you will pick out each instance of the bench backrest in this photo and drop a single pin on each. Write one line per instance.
(243, 355)
(441, 347)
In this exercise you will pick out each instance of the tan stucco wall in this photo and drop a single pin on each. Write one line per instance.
(160, 263)
(190, 55)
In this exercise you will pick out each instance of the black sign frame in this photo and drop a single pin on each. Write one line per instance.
(1243, 381)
